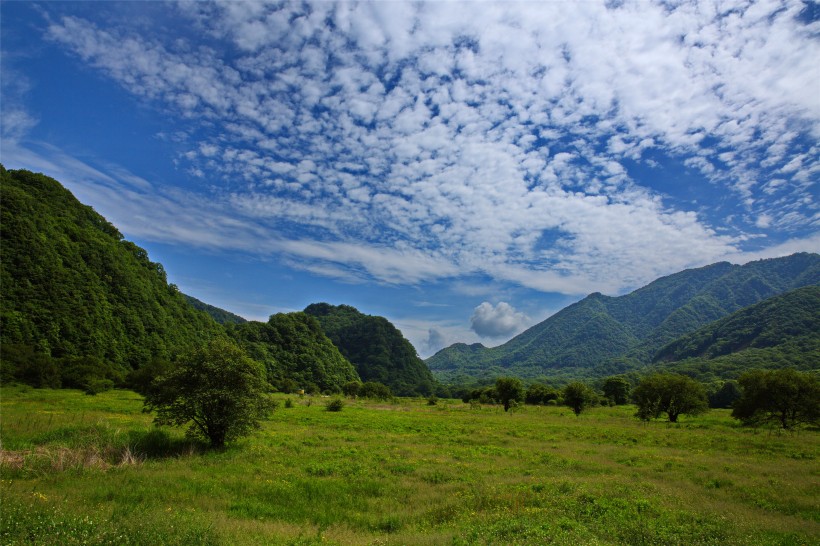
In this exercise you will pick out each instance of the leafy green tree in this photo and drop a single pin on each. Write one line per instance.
(786, 397)
(351, 389)
(538, 393)
(216, 389)
(669, 393)
(509, 390)
(725, 395)
(579, 396)
(616, 389)
(374, 389)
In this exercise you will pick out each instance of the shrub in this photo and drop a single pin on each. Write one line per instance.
(336, 404)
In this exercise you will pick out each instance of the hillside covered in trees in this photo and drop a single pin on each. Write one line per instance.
(602, 335)
(375, 347)
(74, 290)
(295, 352)
(82, 307)
(779, 332)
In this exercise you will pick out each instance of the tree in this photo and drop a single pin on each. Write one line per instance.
(579, 396)
(351, 388)
(725, 395)
(786, 397)
(616, 389)
(509, 390)
(374, 389)
(216, 388)
(538, 393)
(669, 393)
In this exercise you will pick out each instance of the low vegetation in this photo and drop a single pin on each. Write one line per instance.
(93, 469)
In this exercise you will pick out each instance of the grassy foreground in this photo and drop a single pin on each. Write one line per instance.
(80, 469)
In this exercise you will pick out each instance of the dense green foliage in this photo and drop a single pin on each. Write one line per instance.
(215, 389)
(375, 347)
(782, 331)
(617, 390)
(786, 397)
(219, 315)
(672, 394)
(509, 391)
(579, 396)
(79, 296)
(295, 352)
(601, 336)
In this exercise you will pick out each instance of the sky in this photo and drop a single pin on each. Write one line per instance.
(465, 169)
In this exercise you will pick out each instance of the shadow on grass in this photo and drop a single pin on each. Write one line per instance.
(158, 444)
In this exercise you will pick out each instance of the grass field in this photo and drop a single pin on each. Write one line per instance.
(80, 469)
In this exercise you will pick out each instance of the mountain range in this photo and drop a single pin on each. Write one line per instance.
(602, 335)
(80, 305)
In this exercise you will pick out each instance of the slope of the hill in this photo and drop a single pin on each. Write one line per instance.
(376, 348)
(601, 335)
(73, 288)
(219, 315)
(781, 331)
(296, 353)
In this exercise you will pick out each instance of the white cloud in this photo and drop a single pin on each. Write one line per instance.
(501, 320)
(409, 143)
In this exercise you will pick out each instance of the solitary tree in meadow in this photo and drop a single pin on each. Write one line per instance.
(509, 390)
(217, 390)
(579, 396)
(669, 393)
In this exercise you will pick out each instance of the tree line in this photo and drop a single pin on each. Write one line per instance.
(784, 397)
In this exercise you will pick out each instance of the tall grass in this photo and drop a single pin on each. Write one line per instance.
(404, 473)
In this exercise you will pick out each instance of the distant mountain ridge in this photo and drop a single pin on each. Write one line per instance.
(600, 335)
(376, 348)
(781, 331)
(219, 315)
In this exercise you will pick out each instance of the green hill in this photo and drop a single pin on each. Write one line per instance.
(781, 331)
(602, 335)
(74, 291)
(295, 352)
(219, 315)
(376, 348)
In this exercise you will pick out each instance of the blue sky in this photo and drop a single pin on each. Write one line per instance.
(465, 169)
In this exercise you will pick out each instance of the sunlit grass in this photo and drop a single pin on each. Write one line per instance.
(403, 473)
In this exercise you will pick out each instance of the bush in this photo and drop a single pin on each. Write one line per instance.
(432, 401)
(336, 404)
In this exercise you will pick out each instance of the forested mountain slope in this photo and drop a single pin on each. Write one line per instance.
(601, 335)
(296, 353)
(72, 287)
(219, 315)
(781, 331)
(376, 348)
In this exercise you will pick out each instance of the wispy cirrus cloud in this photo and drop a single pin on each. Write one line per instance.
(407, 142)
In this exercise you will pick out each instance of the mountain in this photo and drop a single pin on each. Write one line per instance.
(219, 315)
(295, 352)
(780, 331)
(376, 348)
(74, 290)
(602, 335)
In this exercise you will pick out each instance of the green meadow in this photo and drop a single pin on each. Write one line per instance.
(79, 469)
